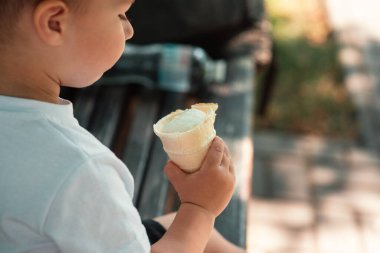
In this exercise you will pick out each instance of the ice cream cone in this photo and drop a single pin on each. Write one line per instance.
(187, 143)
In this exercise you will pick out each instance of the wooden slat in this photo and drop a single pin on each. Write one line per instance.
(84, 105)
(234, 125)
(107, 112)
(140, 137)
(153, 196)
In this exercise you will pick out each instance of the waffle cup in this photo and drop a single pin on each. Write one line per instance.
(188, 149)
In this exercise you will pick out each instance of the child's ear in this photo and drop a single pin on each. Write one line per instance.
(50, 19)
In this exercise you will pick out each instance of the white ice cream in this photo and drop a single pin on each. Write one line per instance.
(184, 121)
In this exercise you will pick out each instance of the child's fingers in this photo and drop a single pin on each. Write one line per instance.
(173, 172)
(215, 154)
(225, 161)
(227, 150)
(232, 168)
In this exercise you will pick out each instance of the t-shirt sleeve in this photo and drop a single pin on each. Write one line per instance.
(93, 212)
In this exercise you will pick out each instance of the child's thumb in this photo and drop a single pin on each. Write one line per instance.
(173, 172)
(214, 155)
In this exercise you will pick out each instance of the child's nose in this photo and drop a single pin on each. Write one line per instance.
(128, 31)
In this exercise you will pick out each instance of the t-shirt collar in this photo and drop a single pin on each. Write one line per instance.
(63, 111)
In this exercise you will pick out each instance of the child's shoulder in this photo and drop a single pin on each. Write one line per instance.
(41, 139)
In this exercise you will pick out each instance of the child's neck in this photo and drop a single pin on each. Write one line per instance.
(30, 92)
(27, 81)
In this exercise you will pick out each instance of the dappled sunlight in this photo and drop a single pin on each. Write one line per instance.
(309, 15)
(280, 226)
(365, 16)
(323, 176)
(363, 177)
(360, 82)
(350, 57)
(365, 202)
(325, 199)
(337, 236)
(361, 156)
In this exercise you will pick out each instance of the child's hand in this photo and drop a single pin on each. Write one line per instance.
(211, 187)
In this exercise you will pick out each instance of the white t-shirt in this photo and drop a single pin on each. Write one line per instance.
(61, 190)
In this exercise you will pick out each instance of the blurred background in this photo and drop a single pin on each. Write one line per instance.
(316, 184)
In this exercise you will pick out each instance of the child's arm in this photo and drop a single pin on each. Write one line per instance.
(189, 232)
(204, 195)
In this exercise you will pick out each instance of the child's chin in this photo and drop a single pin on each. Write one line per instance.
(82, 83)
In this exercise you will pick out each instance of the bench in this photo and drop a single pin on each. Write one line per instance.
(122, 116)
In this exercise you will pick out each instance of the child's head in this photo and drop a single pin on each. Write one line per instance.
(10, 11)
(9, 14)
(76, 41)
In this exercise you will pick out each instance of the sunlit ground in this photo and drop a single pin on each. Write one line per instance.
(314, 195)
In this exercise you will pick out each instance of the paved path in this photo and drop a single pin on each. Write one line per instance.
(314, 195)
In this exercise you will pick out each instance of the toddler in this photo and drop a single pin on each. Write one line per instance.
(61, 190)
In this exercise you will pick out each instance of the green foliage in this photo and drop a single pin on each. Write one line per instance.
(309, 94)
